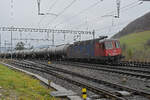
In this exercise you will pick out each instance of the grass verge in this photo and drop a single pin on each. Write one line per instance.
(135, 46)
(19, 86)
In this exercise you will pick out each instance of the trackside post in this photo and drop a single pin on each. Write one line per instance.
(84, 95)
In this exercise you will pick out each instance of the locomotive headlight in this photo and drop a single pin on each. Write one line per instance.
(109, 54)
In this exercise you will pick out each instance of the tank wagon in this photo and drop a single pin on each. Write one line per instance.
(100, 49)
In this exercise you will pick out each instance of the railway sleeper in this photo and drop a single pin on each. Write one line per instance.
(122, 93)
(79, 84)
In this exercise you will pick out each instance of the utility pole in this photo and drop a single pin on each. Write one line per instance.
(93, 34)
(0, 43)
(53, 39)
(5, 45)
(38, 1)
(64, 38)
(118, 8)
(11, 41)
(79, 37)
(48, 37)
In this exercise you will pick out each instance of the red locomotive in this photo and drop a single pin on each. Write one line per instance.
(100, 49)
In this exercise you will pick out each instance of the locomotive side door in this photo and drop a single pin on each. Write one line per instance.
(99, 49)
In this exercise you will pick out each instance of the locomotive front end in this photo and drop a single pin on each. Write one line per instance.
(112, 50)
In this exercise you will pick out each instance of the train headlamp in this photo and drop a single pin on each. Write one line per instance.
(109, 54)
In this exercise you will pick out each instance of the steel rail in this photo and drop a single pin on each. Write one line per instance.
(96, 90)
(112, 70)
(106, 83)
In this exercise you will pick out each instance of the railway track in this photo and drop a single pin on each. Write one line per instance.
(132, 72)
(128, 64)
(126, 68)
(108, 84)
(134, 64)
(96, 90)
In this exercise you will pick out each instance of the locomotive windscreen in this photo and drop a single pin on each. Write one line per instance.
(117, 44)
(108, 45)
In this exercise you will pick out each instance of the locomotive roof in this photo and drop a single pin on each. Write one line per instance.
(87, 40)
(95, 40)
(108, 40)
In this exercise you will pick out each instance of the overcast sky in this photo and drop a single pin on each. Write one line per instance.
(72, 14)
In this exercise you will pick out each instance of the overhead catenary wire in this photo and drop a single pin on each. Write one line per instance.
(93, 5)
(114, 25)
(50, 8)
(120, 24)
(53, 4)
(84, 10)
(124, 8)
(60, 13)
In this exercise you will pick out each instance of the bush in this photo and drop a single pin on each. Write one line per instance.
(148, 43)
(124, 46)
(130, 53)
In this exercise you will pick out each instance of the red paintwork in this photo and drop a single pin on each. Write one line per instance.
(99, 51)
(114, 51)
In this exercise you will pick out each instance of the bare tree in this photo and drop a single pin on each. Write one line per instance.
(20, 46)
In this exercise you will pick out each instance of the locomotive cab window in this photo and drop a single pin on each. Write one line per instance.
(108, 45)
(117, 44)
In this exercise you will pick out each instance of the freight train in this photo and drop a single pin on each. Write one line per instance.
(95, 50)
